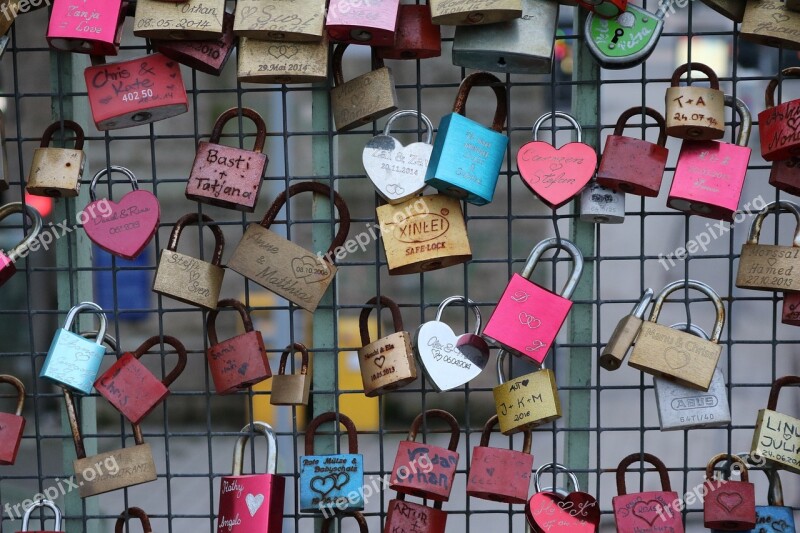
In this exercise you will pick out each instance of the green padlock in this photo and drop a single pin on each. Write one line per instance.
(625, 41)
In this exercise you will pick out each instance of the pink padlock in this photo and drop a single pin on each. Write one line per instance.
(87, 28)
(791, 309)
(371, 23)
(528, 317)
(710, 175)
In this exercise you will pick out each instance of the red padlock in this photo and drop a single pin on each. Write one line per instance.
(362, 522)
(778, 125)
(607, 9)
(500, 475)
(729, 505)
(791, 309)
(416, 36)
(413, 517)
(206, 56)
(634, 166)
(86, 28)
(371, 23)
(133, 512)
(56, 517)
(409, 477)
(785, 175)
(239, 362)
(643, 511)
(130, 387)
(12, 425)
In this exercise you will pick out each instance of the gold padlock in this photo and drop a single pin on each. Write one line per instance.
(625, 334)
(677, 355)
(301, 20)
(291, 389)
(188, 20)
(527, 401)
(459, 13)
(695, 113)
(765, 267)
(278, 62)
(57, 172)
(775, 438)
(771, 23)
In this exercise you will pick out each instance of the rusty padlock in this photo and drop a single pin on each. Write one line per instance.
(78, 27)
(456, 13)
(281, 62)
(280, 21)
(209, 56)
(775, 437)
(12, 425)
(227, 176)
(785, 175)
(57, 172)
(527, 401)
(404, 516)
(732, 9)
(291, 389)
(777, 125)
(9, 259)
(730, 505)
(625, 334)
(416, 36)
(133, 512)
(639, 511)
(362, 522)
(187, 20)
(770, 23)
(695, 113)
(56, 516)
(371, 23)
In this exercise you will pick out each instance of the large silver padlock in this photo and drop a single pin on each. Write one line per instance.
(601, 205)
(680, 407)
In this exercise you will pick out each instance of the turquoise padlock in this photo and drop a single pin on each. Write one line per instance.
(467, 156)
(73, 361)
(331, 483)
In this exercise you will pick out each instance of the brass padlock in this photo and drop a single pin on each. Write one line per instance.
(695, 113)
(625, 334)
(189, 20)
(771, 23)
(3, 154)
(280, 21)
(363, 99)
(525, 402)
(57, 172)
(765, 267)
(279, 62)
(732, 9)
(291, 389)
(458, 13)
(775, 438)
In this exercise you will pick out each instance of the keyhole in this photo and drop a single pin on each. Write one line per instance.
(501, 62)
(617, 34)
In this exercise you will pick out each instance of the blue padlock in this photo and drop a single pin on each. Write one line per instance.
(467, 156)
(331, 483)
(72, 360)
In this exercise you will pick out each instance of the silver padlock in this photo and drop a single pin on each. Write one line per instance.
(680, 407)
(522, 46)
(601, 205)
(43, 503)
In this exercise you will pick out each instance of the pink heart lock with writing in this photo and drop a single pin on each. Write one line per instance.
(554, 510)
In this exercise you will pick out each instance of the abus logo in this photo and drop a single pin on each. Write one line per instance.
(421, 228)
(694, 402)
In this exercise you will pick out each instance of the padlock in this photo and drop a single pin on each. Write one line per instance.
(556, 175)
(625, 334)
(239, 362)
(362, 522)
(605, 8)
(209, 56)
(135, 92)
(189, 20)
(186, 278)
(397, 171)
(556, 509)
(291, 389)
(639, 511)
(371, 23)
(634, 166)
(133, 389)
(785, 175)
(87, 29)
(227, 176)
(601, 205)
(73, 361)
(283, 267)
(8, 260)
(775, 438)
(695, 113)
(388, 363)
(416, 36)
(681, 407)
(467, 156)
(434, 483)
(455, 13)
(43, 503)
(709, 176)
(3, 149)
(280, 62)
(404, 516)
(497, 474)
(125, 228)
(280, 21)
(252, 502)
(424, 233)
(523, 45)
(528, 317)
(57, 172)
(525, 402)
(790, 314)
(775, 517)
(133, 512)
(732, 9)
(766, 267)
(450, 361)
(363, 99)
(730, 505)
(624, 41)
(12, 425)
(770, 23)
(777, 125)
(331, 481)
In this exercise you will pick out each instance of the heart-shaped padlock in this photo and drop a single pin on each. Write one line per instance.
(397, 171)
(556, 175)
(122, 229)
(626, 41)
(450, 361)
(557, 511)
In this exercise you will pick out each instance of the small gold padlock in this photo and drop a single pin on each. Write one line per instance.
(300, 21)
(188, 20)
(695, 113)
(765, 267)
(278, 62)
(291, 389)
(57, 172)
(527, 401)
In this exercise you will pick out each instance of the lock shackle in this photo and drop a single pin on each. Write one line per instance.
(319, 188)
(554, 115)
(713, 80)
(211, 321)
(775, 390)
(363, 323)
(556, 467)
(775, 494)
(11, 380)
(193, 219)
(58, 125)
(91, 307)
(107, 171)
(290, 350)
(769, 96)
(272, 447)
(402, 497)
(777, 207)
(622, 122)
(456, 299)
(338, 53)
(261, 127)
(36, 226)
(501, 373)
(563, 244)
(661, 468)
(744, 115)
(133, 512)
(640, 308)
(175, 343)
(742, 466)
(489, 426)
(362, 522)
(336, 418)
(484, 78)
(410, 113)
(455, 431)
(698, 286)
(43, 503)
(692, 329)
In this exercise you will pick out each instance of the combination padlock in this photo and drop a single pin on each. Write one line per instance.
(36, 505)
(57, 172)
(83, 28)
(209, 56)
(639, 511)
(8, 266)
(624, 41)
(455, 13)
(780, 139)
(556, 509)
(601, 205)
(416, 36)
(766, 267)
(731, 506)
(187, 20)
(770, 23)
(695, 113)
(775, 437)
(525, 402)
(625, 334)
(369, 23)
(133, 512)
(291, 389)
(12, 425)
(278, 21)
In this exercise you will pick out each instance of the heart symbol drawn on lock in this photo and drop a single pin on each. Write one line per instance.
(771, 261)
(388, 163)
(449, 361)
(676, 359)
(380, 360)
(323, 484)
(310, 269)
(780, 17)
(556, 186)
(254, 503)
(243, 369)
(649, 511)
(248, 11)
(141, 213)
(780, 527)
(793, 122)
(106, 100)
(729, 500)
(341, 480)
(525, 382)
(490, 471)
(548, 512)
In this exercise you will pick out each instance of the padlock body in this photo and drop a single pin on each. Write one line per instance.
(280, 21)
(527, 319)
(56, 172)
(527, 401)
(251, 503)
(408, 477)
(135, 92)
(403, 516)
(709, 178)
(423, 234)
(7, 268)
(466, 159)
(731, 506)
(456, 13)
(130, 387)
(11, 428)
(387, 364)
(239, 362)
(695, 113)
(416, 36)
(600, 205)
(770, 23)
(189, 20)
(290, 389)
(523, 45)
(648, 512)
(632, 166)
(188, 279)
(363, 99)
(125, 229)
(78, 27)
(777, 128)
(774, 519)
(499, 475)
(135, 463)
(73, 361)
(790, 315)
(732, 9)
(680, 407)
(675, 355)
(777, 440)
(209, 56)
(620, 342)
(226, 176)
(619, 46)
(278, 62)
(766, 267)
(369, 23)
(327, 481)
(785, 175)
